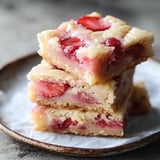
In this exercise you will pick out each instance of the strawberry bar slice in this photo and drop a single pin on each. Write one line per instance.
(53, 87)
(77, 121)
(95, 48)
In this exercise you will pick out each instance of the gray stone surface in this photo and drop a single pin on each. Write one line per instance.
(20, 20)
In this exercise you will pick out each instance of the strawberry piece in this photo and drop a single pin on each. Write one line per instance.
(70, 45)
(62, 125)
(85, 98)
(50, 90)
(111, 123)
(102, 123)
(113, 42)
(82, 127)
(117, 53)
(137, 50)
(92, 23)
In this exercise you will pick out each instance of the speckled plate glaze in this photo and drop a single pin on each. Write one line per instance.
(15, 115)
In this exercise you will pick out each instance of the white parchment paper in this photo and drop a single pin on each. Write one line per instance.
(15, 109)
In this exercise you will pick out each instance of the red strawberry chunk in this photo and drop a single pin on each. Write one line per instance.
(102, 123)
(93, 23)
(111, 123)
(70, 45)
(62, 125)
(137, 50)
(117, 54)
(82, 127)
(85, 98)
(113, 42)
(49, 89)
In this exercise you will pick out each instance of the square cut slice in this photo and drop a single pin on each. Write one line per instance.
(95, 48)
(76, 121)
(53, 87)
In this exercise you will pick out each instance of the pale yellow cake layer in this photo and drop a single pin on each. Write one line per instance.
(105, 96)
(94, 49)
(75, 121)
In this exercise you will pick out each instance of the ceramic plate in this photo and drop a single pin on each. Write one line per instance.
(15, 109)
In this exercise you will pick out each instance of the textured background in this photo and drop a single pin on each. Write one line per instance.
(21, 20)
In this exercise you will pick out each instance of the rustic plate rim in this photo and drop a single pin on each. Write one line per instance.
(80, 151)
(74, 151)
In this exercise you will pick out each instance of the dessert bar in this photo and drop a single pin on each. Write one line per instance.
(92, 123)
(53, 87)
(77, 121)
(95, 48)
(84, 83)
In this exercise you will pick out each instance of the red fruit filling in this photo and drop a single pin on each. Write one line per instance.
(49, 89)
(82, 127)
(70, 45)
(62, 125)
(116, 55)
(113, 42)
(85, 98)
(137, 50)
(119, 54)
(93, 23)
(111, 123)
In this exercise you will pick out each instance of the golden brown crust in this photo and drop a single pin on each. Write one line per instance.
(45, 71)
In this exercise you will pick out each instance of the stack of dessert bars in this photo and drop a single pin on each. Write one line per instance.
(84, 82)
